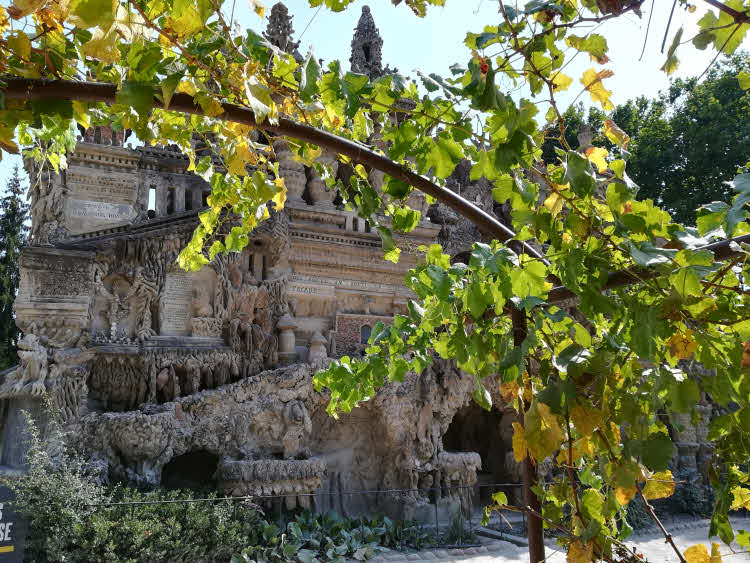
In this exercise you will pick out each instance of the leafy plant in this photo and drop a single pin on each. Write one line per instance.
(328, 537)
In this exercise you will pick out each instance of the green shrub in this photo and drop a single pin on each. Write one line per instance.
(66, 522)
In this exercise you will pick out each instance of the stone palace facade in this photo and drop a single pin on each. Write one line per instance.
(174, 378)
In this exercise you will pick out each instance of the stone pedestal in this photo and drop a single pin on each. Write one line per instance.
(292, 171)
(318, 350)
(287, 340)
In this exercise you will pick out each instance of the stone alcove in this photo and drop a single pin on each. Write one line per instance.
(192, 470)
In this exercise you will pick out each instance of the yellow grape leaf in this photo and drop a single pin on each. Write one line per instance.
(615, 433)
(509, 391)
(210, 105)
(615, 134)
(519, 442)
(258, 8)
(659, 485)
(20, 44)
(583, 447)
(697, 554)
(741, 498)
(543, 432)
(242, 156)
(280, 198)
(682, 344)
(561, 81)
(103, 46)
(580, 553)
(592, 81)
(79, 112)
(187, 87)
(4, 21)
(586, 418)
(130, 24)
(6, 139)
(554, 203)
(598, 156)
(625, 494)
(22, 8)
(715, 553)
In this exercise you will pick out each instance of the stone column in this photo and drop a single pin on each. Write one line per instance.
(287, 340)
(179, 199)
(292, 171)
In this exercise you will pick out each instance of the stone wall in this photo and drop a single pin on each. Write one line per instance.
(353, 331)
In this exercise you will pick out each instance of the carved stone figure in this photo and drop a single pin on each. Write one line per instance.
(201, 304)
(29, 377)
(297, 425)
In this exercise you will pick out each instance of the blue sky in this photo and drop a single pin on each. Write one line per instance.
(434, 43)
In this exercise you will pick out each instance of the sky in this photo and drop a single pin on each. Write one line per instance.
(434, 43)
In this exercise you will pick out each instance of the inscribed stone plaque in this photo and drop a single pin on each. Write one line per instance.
(102, 185)
(86, 215)
(12, 528)
(175, 315)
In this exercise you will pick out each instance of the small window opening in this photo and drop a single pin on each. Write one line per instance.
(264, 269)
(152, 202)
(170, 201)
(364, 334)
(367, 226)
(188, 200)
(204, 198)
(355, 224)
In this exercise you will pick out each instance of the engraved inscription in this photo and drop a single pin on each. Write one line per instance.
(175, 318)
(101, 211)
(102, 186)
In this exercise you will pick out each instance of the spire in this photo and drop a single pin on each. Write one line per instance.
(280, 30)
(367, 45)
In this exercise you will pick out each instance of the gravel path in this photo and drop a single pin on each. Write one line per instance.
(651, 544)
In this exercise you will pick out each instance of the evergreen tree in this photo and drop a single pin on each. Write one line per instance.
(13, 234)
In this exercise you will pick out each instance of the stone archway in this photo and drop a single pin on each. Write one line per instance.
(489, 433)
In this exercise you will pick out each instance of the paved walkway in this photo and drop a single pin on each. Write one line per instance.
(651, 544)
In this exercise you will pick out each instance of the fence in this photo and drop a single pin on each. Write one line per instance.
(439, 530)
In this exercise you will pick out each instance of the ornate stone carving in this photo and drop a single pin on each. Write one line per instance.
(30, 376)
(280, 30)
(367, 45)
(297, 426)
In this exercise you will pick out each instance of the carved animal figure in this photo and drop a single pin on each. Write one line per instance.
(33, 369)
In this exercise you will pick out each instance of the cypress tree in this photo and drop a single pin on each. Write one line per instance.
(14, 212)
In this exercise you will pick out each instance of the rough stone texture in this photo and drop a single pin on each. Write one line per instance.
(367, 46)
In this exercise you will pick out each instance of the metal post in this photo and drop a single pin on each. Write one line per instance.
(534, 528)
(437, 523)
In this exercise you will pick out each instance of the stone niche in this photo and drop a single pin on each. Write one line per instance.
(186, 306)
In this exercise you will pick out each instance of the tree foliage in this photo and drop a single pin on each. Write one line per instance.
(595, 379)
(14, 213)
(684, 144)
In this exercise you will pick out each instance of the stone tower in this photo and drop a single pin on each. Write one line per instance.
(367, 46)
(280, 30)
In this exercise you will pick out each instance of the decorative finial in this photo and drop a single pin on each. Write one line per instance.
(280, 29)
(367, 46)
